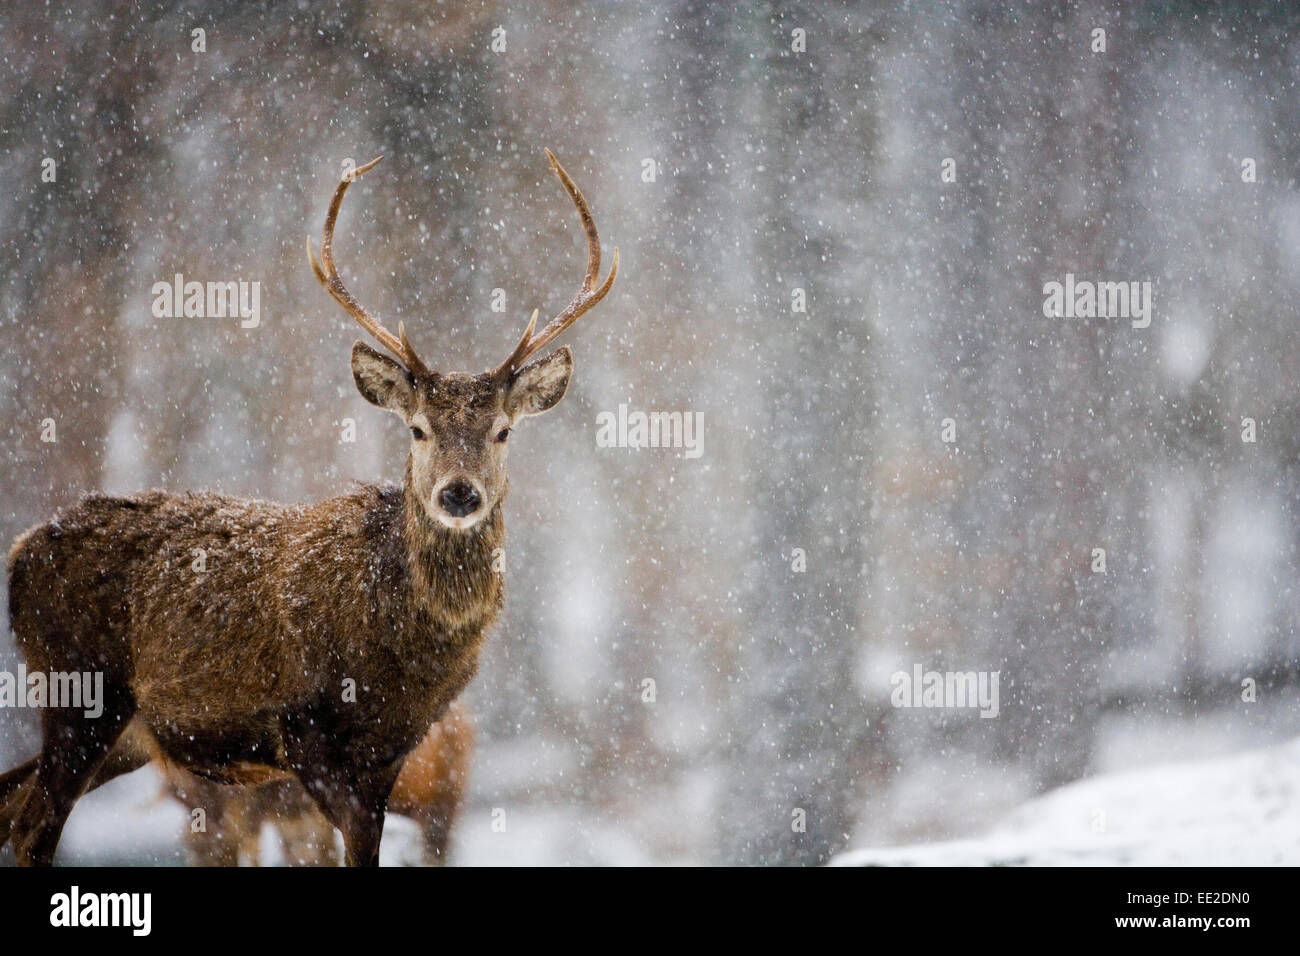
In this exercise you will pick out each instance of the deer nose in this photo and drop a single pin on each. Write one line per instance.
(459, 499)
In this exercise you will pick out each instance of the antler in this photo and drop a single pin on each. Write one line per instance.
(582, 302)
(329, 278)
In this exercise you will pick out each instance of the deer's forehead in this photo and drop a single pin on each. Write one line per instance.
(459, 400)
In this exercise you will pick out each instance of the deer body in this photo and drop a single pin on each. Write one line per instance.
(294, 601)
(232, 630)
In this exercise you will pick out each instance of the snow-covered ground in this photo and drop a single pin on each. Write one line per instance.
(1220, 788)
(1242, 809)
(128, 822)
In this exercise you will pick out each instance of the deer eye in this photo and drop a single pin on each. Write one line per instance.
(417, 434)
(503, 434)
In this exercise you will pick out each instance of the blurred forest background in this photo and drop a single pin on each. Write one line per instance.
(774, 170)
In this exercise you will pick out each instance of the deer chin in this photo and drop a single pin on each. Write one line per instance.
(459, 524)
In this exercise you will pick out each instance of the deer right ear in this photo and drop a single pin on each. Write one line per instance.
(381, 380)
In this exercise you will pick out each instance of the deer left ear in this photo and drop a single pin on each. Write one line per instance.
(539, 385)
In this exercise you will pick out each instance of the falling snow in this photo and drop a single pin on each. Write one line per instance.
(836, 225)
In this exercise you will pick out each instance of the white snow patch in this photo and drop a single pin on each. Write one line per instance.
(1242, 810)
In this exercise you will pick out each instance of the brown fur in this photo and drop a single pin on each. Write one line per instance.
(428, 791)
(238, 671)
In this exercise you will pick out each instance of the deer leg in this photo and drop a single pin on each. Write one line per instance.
(15, 785)
(217, 844)
(307, 838)
(437, 836)
(357, 807)
(14, 788)
(73, 749)
(354, 800)
(361, 847)
(440, 814)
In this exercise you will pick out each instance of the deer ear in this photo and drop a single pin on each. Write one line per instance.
(539, 385)
(381, 380)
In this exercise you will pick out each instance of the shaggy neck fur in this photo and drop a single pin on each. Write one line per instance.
(454, 582)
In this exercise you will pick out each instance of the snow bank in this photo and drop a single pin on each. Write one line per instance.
(1239, 810)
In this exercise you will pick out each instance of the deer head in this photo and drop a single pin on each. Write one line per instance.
(460, 422)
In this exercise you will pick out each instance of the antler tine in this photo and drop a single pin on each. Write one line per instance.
(328, 276)
(588, 223)
(586, 297)
(521, 349)
(581, 304)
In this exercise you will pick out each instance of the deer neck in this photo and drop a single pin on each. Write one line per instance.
(455, 582)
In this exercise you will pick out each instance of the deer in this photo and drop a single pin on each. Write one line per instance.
(321, 641)
(428, 791)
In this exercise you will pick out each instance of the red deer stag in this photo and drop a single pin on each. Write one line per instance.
(238, 672)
